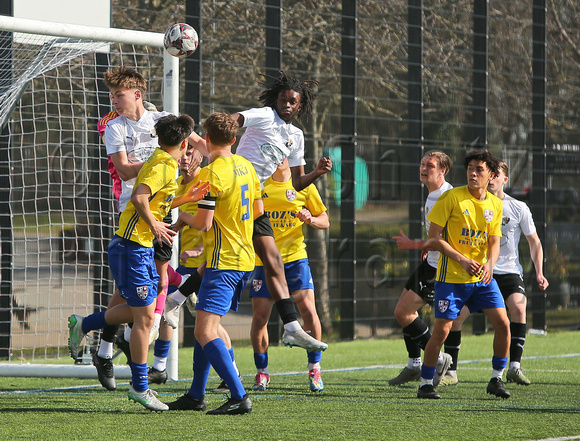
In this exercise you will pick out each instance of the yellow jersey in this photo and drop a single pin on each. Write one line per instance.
(234, 188)
(190, 237)
(158, 173)
(281, 204)
(467, 222)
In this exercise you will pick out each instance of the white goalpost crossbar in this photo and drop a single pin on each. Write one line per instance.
(170, 104)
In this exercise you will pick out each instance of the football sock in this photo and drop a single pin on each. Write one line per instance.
(201, 367)
(105, 349)
(314, 357)
(191, 285)
(452, 345)
(287, 310)
(93, 321)
(219, 358)
(498, 364)
(178, 297)
(261, 362)
(109, 333)
(413, 349)
(419, 332)
(127, 332)
(414, 363)
(173, 277)
(231, 352)
(427, 374)
(139, 376)
(161, 297)
(518, 339)
(160, 352)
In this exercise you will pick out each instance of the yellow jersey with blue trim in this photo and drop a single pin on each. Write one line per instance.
(281, 204)
(158, 173)
(234, 186)
(190, 237)
(467, 222)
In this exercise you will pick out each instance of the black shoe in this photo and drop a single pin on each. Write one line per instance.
(427, 391)
(185, 402)
(155, 376)
(105, 372)
(123, 345)
(496, 387)
(233, 406)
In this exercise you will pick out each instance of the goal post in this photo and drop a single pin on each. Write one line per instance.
(55, 184)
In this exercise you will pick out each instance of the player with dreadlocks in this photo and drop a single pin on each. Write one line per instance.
(270, 137)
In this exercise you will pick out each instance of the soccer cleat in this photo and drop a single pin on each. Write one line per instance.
(448, 380)
(516, 375)
(233, 406)
(123, 345)
(147, 399)
(223, 387)
(427, 391)
(301, 339)
(496, 387)
(105, 372)
(441, 368)
(261, 382)
(75, 334)
(171, 312)
(316, 383)
(190, 302)
(153, 335)
(185, 402)
(406, 375)
(155, 376)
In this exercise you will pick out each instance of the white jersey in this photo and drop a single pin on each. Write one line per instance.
(516, 219)
(433, 256)
(137, 138)
(268, 140)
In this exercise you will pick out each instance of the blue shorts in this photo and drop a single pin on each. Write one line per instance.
(221, 290)
(298, 276)
(134, 270)
(450, 298)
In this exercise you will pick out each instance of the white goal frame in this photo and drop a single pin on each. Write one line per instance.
(170, 104)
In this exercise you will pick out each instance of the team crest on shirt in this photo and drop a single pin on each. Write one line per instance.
(443, 305)
(488, 214)
(504, 221)
(142, 292)
(290, 195)
(256, 285)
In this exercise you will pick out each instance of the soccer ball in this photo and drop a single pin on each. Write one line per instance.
(180, 40)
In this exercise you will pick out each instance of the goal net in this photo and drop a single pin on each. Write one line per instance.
(56, 188)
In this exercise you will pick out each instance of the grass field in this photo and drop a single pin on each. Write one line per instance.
(357, 403)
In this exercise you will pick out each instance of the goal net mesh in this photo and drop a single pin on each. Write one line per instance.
(62, 210)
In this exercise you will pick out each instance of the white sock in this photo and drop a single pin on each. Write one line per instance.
(160, 363)
(183, 279)
(313, 366)
(264, 371)
(426, 381)
(157, 320)
(292, 326)
(515, 365)
(497, 373)
(451, 373)
(176, 296)
(105, 349)
(127, 333)
(414, 363)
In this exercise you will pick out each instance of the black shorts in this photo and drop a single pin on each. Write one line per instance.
(422, 282)
(163, 251)
(509, 284)
(262, 226)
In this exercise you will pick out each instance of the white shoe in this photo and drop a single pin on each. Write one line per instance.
(171, 312)
(301, 339)
(147, 399)
(153, 335)
(190, 302)
(441, 369)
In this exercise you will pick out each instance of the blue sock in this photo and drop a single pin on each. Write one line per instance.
(219, 358)
(201, 368)
(261, 360)
(139, 376)
(314, 357)
(499, 363)
(161, 348)
(93, 322)
(428, 372)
